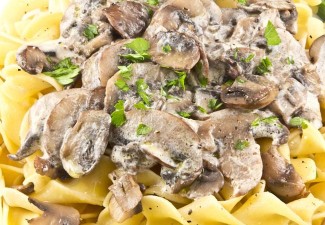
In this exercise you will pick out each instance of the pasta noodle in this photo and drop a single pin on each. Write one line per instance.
(36, 21)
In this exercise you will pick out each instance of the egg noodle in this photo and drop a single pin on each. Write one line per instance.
(35, 21)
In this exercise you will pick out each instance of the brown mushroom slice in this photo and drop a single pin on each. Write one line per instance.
(281, 177)
(254, 92)
(317, 55)
(85, 143)
(102, 65)
(37, 117)
(290, 100)
(227, 135)
(171, 142)
(128, 18)
(54, 214)
(183, 54)
(63, 116)
(26, 189)
(32, 60)
(126, 199)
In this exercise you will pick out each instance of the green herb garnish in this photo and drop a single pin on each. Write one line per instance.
(299, 122)
(248, 58)
(271, 35)
(153, 2)
(241, 144)
(229, 82)
(243, 2)
(118, 116)
(141, 106)
(122, 85)
(90, 32)
(64, 72)
(181, 79)
(289, 60)
(240, 80)
(199, 71)
(184, 114)
(125, 72)
(143, 129)
(321, 11)
(264, 66)
(214, 104)
(267, 120)
(140, 46)
(142, 86)
(201, 109)
(167, 48)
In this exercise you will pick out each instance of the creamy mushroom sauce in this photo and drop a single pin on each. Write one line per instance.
(186, 88)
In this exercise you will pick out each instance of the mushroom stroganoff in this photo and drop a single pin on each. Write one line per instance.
(203, 96)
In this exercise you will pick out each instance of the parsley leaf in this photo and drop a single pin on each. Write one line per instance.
(181, 79)
(240, 80)
(90, 32)
(153, 2)
(142, 86)
(201, 109)
(143, 129)
(271, 35)
(229, 82)
(122, 85)
(236, 53)
(248, 58)
(140, 105)
(289, 60)
(264, 66)
(321, 10)
(199, 70)
(184, 114)
(241, 144)
(64, 72)
(125, 71)
(299, 122)
(167, 48)
(267, 120)
(214, 104)
(118, 116)
(140, 46)
(243, 2)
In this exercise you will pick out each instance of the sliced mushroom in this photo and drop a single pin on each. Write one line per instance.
(26, 189)
(290, 100)
(85, 143)
(126, 199)
(32, 60)
(254, 92)
(64, 109)
(128, 18)
(54, 214)
(102, 65)
(281, 177)
(183, 54)
(170, 142)
(317, 54)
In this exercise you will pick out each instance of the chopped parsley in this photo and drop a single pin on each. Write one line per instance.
(264, 66)
(236, 54)
(201, 109)
(214, 104)
(184, 114)
(122, 85)
(181, 79)
(229, 82)
(271, 35)
(199, 71)
(289, 60)
(153, 2)
(243, 2)
(125, 72)
(240, 80)
(143, 129)
(142, 86)
(241, 145)
(118, 116)
(140, 46)
(167, 48)
(299, 122)
(267, 120)
(140, 105)
(248, 58)
(90, 32)
(321, 11)
(64, 72)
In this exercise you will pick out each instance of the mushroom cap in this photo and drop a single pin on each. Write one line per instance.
(85, 143)
(254, 92)
(317, 49)
(184, 52)
(128, 18)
